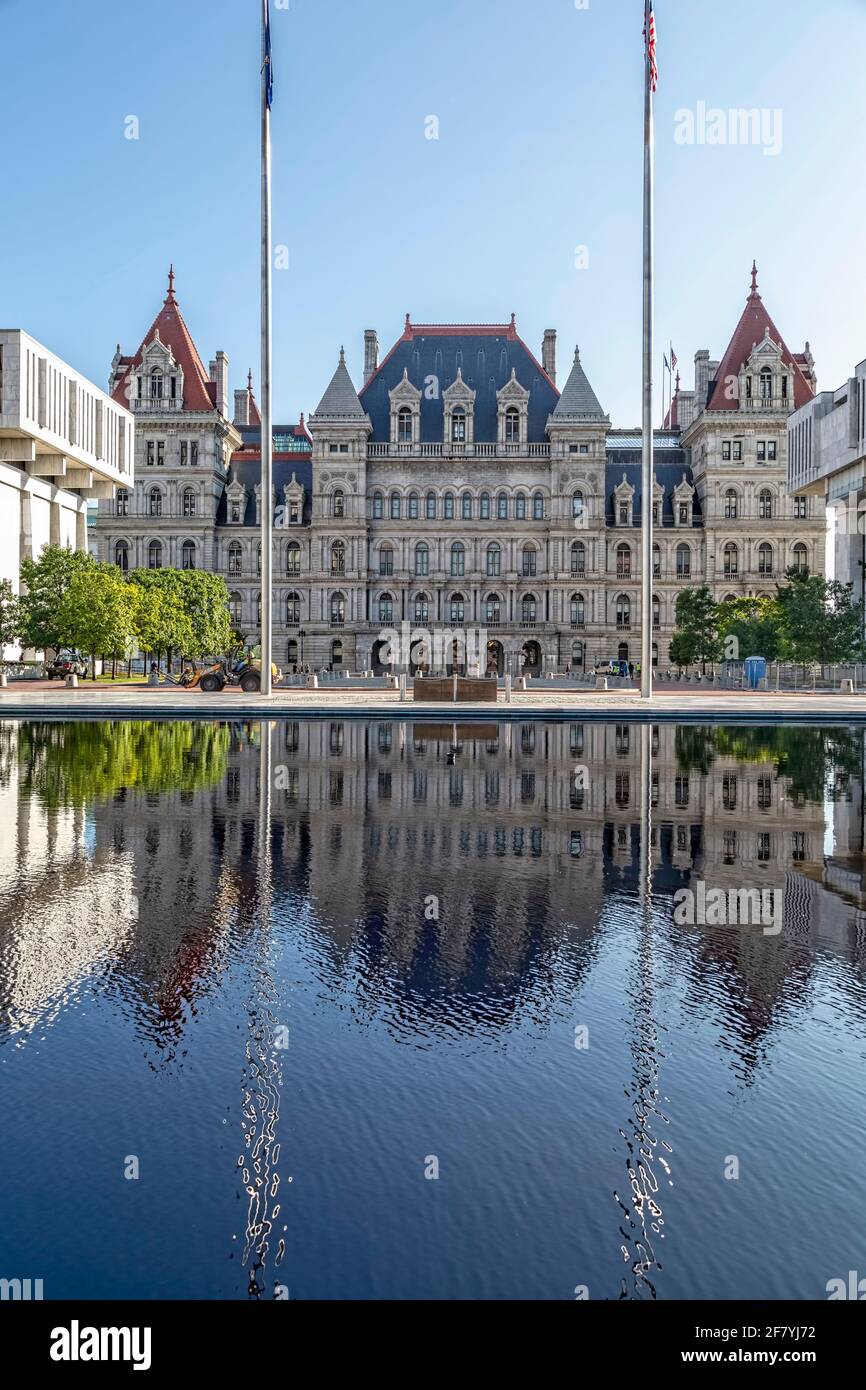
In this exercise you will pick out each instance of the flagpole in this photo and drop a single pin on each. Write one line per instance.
(647, 421)
(267, 432)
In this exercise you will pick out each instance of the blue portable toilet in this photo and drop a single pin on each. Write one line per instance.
(756, 670)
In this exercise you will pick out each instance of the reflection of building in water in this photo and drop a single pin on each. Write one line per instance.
(518, 829)
(64, 905)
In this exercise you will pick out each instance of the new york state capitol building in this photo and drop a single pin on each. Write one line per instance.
(461, 487)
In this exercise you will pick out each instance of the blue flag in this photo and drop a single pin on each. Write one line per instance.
(269, 74)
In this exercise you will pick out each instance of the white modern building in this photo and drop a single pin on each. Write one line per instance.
(62, 441)
(827, 459)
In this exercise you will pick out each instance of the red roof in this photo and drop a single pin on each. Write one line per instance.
(198, 391)
(755, 323)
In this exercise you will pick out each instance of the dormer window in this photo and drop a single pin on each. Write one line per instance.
(339, 504)
(458, 427)
(624, 510)
(156, 384)
(784, 388)
(404, 426)
(236, 511)
(766, 384)
(512, 426)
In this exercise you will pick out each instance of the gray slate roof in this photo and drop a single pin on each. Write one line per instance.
(340, 398)
(578, 397)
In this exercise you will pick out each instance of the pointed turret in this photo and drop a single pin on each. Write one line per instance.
(755, 325)
(340, 399)
(170, 329)
(578, 398)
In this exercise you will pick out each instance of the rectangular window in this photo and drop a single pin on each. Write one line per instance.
(771, 448)
(160, 451)
(726, 450)
(801, 505)
(762, 450)
(737, 450)
(193, 452)
(183, 452)
(150, 452)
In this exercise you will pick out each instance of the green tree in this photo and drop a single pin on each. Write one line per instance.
(10, 616)
(755, 623)
(205, 600)
(821, 623)
(96, 613)
(167, 626)
(696, 638)
(44, 583)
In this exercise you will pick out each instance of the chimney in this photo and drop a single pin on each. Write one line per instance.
(371, 353)
(702, 377)
(219, 375)
(548, 353)
(242, 407)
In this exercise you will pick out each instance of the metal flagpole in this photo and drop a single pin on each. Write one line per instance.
(647, 424)
(267, 433)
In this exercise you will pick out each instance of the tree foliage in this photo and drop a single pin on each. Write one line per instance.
(696, 639)
(44, 583)
(820, 622)
(96, 613)
(10, 615)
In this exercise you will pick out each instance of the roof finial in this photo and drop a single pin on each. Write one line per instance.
(576, 354)
(342, 355)
(514, 321)
(678, 384)
(170, 295)
(250, 381)
(754, 277)
(408, 324)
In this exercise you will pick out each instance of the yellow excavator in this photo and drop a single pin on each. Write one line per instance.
(243, 669)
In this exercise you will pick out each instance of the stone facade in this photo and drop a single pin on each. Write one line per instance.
(461, 489)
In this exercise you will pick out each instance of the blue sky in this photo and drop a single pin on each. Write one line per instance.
(539, 152)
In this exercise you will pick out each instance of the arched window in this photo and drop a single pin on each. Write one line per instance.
(577, 654)
(338, 608)
(395, 506)
(502, 506)
(121, 556)
(156, 384)
(338, 558)
(684, 562)
(623, 612)
(154, 555)
(466, 506)
(731, 504)
(121, 502)
(765, 559)
(155, 502)
(378, 506)
(449, 506)
(386, 608)
(492, 610)
(529, 562)
(538, 507)
(484, 506)
(413, 506)
(422, 608)
(187, 555)
(338, 503)
(386, 560)
(235, 610)
(404, 425)
(458, 426)
(766, 384)
(578, 610)
(458, 558)
(578, 557)
(528, 608)
(520, 507)
(657, 561)
(657, 611)
(431, 506)
(422, 559)
(292, 652)
(730, 559)
(336, 653)
(578, 506)
(765, 504)
(494, 560)
(801, 559)
(293, 610)
(189, 502)
(456, 608)
(236, 558)
(293, 559)
(512, 425)
(623, 562)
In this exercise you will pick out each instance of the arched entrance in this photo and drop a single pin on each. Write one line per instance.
(577, 656)
(495, 659)
(378, 666)
(622, 654)
(419, 657)
(455, 660)
(530, 659)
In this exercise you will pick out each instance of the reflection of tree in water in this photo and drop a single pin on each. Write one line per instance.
(806, 756)
(90, 760)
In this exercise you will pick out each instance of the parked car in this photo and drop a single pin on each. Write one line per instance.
(67, 662)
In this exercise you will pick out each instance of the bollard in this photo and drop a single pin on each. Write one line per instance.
(847, 687)
(4, 680)
(313, 682)
(601, 682)
(402, 688)
(72, 682)
(508, 690)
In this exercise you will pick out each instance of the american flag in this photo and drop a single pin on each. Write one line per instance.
(269, 75)
(674, 359)
(651, 49)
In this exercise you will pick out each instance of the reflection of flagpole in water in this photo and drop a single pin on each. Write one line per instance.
(261, 1106)
(644, 1215)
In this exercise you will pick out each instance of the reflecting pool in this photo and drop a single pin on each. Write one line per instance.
(480, 1013)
